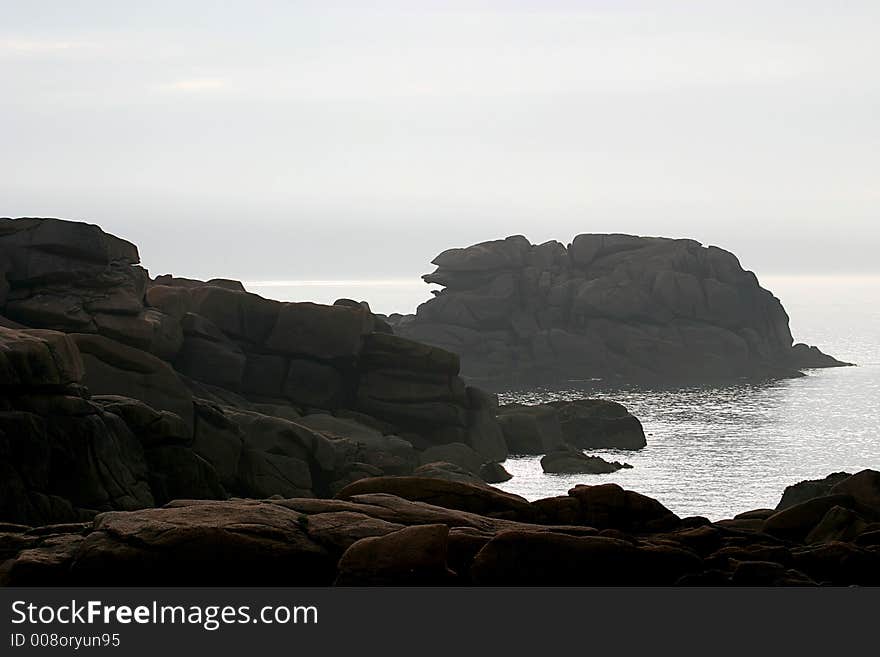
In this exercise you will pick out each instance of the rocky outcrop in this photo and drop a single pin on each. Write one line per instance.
(200, 389)
(614, 307)
(415, 531)
(808, 489)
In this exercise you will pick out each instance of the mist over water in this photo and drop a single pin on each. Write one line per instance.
(713, 451)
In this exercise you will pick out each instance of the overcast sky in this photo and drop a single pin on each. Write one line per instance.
(299, 140)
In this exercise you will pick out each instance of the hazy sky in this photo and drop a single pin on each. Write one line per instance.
(303, 140)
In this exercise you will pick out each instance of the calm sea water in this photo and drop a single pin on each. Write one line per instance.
(715, 451)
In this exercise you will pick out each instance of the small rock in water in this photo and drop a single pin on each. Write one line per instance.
(573, 461)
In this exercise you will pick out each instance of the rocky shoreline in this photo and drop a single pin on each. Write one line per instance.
(173, 431)
(417, 531)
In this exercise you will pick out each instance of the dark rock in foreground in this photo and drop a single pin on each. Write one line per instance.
(614, 307)
(416, 531)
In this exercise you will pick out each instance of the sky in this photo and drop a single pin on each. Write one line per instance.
(323, 140)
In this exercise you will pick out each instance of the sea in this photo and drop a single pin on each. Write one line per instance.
(712, 451)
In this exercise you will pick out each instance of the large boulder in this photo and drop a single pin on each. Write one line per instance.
(573, 461)
(598, 424)
(610, 506)
(554, 428)
(409, 556)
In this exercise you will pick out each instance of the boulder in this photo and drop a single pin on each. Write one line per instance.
(808, 489)
(46, 562)
(573, 461)
(447, 494)
(838, 524)
(795, 522)
(863, 487)
(598, 424)
(609, 505)
(494, 473)
(413, 556)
